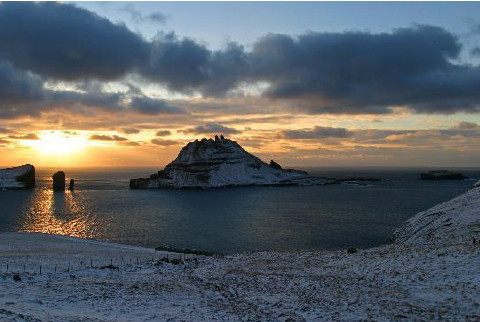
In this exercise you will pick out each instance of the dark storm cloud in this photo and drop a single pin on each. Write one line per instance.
(211, 128)
(318, 132)
(317, 72)
(150, 106)
(23, 94)
(18, 86)
(356, 70)
(65, 42)
(98, 137)
(186, 66)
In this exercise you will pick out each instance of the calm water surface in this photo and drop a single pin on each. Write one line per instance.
(227, 220)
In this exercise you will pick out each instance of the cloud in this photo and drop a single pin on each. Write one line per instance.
(152, 106)
(130, 130)
(417, 67)
(211, 128)
(23, 94)
(368, 72)
(375, 137)
(163, 142)
(318, 132)
(475, 51)
(17, 88)
(467, 126)
(65, 42)
(129, 143)
(163, 133)
(138, 17)
(28, 136)
(99, 137)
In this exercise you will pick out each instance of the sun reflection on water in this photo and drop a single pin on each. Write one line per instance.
(62, 213)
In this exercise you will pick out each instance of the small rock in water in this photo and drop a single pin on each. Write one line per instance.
(59, 181)
(72, 184)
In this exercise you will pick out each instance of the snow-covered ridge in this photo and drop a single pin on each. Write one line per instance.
(209, 163)
(453, 222)
(21, 177)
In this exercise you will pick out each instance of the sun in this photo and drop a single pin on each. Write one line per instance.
(58, 143)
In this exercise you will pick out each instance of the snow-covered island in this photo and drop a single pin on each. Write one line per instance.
(220, 162)
(429, 273)
(21, 177)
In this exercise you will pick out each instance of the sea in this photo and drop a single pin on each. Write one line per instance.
(230, 220)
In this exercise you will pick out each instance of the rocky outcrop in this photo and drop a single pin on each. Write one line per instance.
(453, 222)
(209, 163)
(59, 181)
(21, 177)
(275, 165)
(442, 175)
(72, 184)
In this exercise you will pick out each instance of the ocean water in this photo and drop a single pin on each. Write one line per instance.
(228, 220)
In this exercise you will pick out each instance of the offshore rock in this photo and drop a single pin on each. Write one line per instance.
(72, 184)
(59, 181)
(21, 177)
(442, 175)
(220, 163)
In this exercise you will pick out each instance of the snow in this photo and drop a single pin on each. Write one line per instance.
(452, 222)
(390, 282)
(429, 273)
(8, 177)
(220, 163)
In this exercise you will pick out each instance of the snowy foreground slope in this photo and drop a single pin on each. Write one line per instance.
(21, 177)
(413, 279)
(217, 163)
(452, 222)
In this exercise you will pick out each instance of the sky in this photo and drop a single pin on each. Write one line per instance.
(304, 83)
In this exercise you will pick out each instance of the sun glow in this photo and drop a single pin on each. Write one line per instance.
(58, 143)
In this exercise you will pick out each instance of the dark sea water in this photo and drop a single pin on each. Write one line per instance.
(228, 220)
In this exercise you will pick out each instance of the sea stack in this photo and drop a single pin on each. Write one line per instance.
(21, 177)
(72, 184)
(221, 162)
(59, 181)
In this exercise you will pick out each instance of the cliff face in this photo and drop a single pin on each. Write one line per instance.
(453, 222)
(21, 177)
(217, 163)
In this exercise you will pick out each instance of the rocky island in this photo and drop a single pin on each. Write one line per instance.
(220, 162)
(442, 175)
(21, 177)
